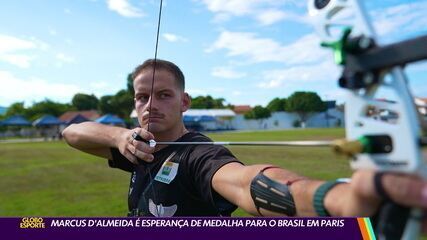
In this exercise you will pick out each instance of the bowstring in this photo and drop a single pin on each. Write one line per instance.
(151, 98)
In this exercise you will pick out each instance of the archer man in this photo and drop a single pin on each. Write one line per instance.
(207, 180)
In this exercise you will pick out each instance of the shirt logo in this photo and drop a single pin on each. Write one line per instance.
(167, 168)
(160, 210)
(167, 172)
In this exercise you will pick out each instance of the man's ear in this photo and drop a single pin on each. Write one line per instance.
(186, 102)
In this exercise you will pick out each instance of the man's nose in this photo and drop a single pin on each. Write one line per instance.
(151, 104)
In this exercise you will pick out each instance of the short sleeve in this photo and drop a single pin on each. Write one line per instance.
(119, 161)
(205, 161)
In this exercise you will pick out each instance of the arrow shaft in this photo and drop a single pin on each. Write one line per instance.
(258, 143)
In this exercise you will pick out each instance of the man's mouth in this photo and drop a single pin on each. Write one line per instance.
(154, 119)
(151, 117)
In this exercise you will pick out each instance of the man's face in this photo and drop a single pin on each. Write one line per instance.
(167, 102)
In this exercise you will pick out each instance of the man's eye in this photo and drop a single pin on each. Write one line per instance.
(164, 95)
(142, 98)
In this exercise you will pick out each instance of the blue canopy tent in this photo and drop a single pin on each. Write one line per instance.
(15, 124)
(193, 123)
(110, 119)
(48, 126)
(16, 120)
(203, 118)
(47, 120)
(189, 118)
(77, 119)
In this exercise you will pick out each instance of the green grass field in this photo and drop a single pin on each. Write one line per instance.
(52, 179)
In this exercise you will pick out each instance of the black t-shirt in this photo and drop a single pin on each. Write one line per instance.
(179, 180)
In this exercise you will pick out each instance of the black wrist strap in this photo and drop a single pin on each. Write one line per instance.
(319, 197)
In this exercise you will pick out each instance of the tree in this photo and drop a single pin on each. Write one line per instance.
(38, 109)
(305, 104)
(129, 84)
(105, 104)
(83, 101)
(122, 103)
(208, 102)
(47, 106)
(16, 109)
(258, 113)
(277, 105)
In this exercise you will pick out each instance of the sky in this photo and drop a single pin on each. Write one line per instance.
(245, 51)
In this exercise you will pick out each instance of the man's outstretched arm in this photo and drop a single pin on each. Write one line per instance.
(236, 183)
(357, 198)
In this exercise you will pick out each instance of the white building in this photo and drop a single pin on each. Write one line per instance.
(210, 119)
(285, 120)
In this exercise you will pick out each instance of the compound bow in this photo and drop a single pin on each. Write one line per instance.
(384, 144)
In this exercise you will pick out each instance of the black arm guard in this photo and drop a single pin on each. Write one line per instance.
(271, 195)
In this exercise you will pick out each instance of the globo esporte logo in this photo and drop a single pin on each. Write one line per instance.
(32, 222)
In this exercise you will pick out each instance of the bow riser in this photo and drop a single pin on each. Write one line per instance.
(406, 155)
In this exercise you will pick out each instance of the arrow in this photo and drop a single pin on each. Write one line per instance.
(153, 143)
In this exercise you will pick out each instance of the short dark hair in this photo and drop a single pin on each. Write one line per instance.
(164, 65)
